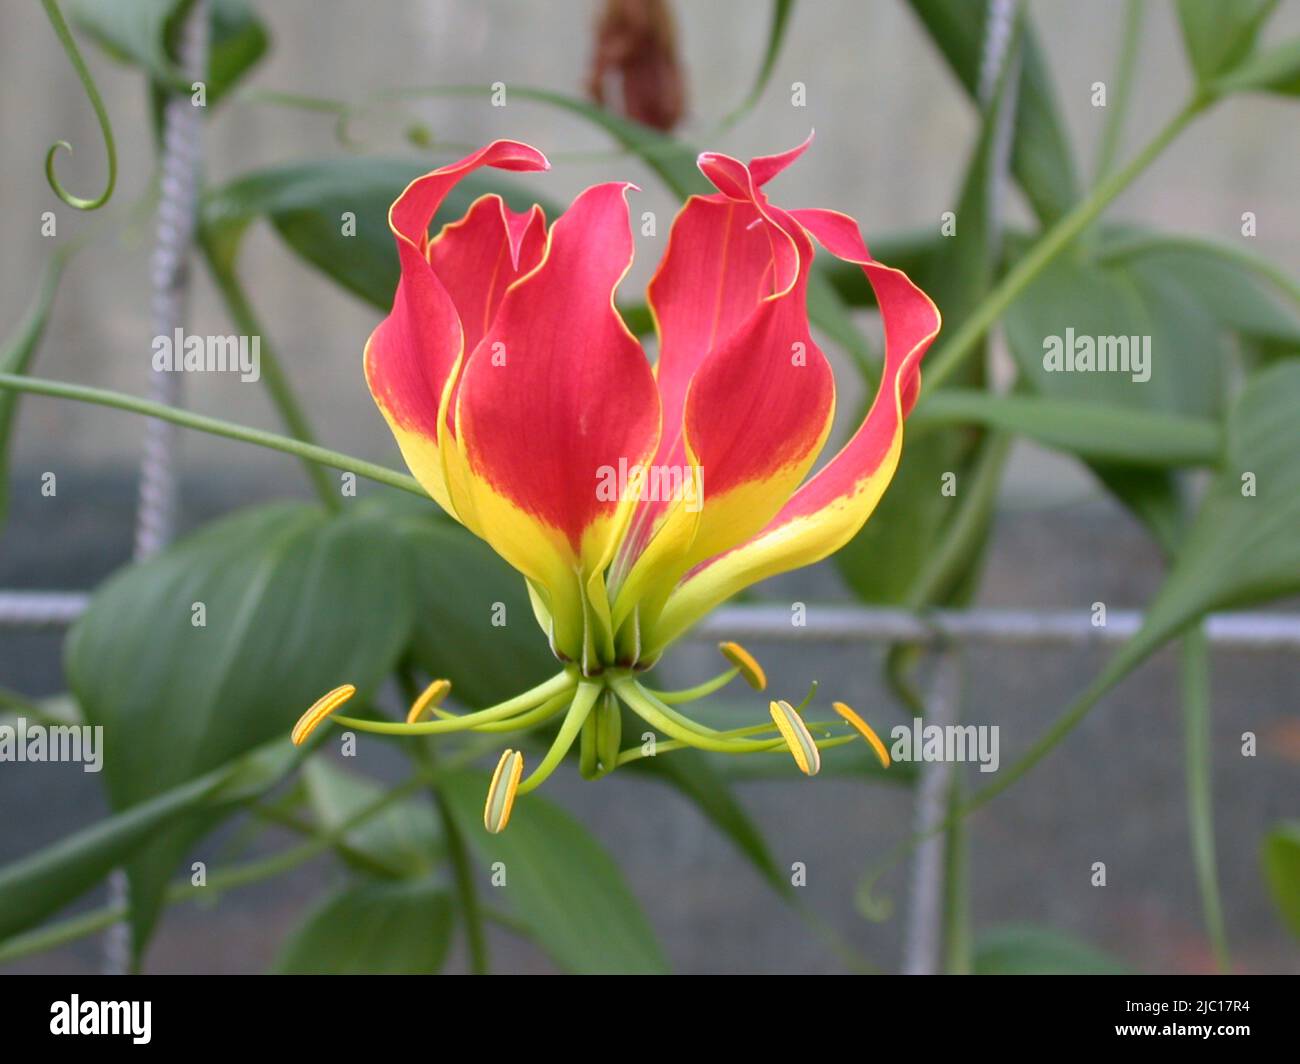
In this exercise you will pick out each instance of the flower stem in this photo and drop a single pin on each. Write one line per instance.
(949, 357)
(457, 852)
(214, 426)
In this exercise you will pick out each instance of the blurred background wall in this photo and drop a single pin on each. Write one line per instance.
(893, 134)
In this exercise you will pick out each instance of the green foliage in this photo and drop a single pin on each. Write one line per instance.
(34, 887)
(1281, 858)
(373, 929)
(403, 841)
(310, 204)
(560, 882)
(475, 624)
(1219, 36)
(143, 33)
(293, 603)
(1040, 153)
(1025, 950)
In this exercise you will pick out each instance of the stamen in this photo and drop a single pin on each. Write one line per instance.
(321, 708)
(501, 793)
(749, 667)
(433, 696)
(865, 729)
(803, 748)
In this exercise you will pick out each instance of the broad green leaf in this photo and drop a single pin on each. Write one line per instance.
(1022, 950)
(475, 625)
(312, 204)
(143, 33)
(373, 929)
(1243, 547)
(693, 776)
(1217, 35)
(403, 841)
(1274, 69)
(1136, 305)
(1216, 278)
(1090, 430)
(1281, 857)
(1040, 153)
(1087, 301)
(38, 886)
(889, 560)
(292, 602)
(560, 882)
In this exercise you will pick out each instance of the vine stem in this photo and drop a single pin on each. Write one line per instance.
(101, 116)
(214, 426)
(273, 375)
(1199, 769)
(949, 357)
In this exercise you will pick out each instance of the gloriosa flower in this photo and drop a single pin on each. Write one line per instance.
(514, 389)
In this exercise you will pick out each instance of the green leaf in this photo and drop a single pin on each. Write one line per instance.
(1023, 950)
(1122, 300)
(38, 886)
(1040, 152)
(1221, 279)
(475, 625)
(1275, 69)
(692, 775)
(307, 204)
(1090, 430)
(1219, 36)
(404, 839)
(890, 560)
(373, 929)
(294, 603)
(143, 33)
(561, 883)
(1281, 858)
(1241, 549)
(17, 356)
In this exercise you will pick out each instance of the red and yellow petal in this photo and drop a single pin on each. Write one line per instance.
(556, 395)
(757, 411)
(829, 509)
(412, 357)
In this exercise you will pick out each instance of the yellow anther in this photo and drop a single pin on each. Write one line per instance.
(865, 730)
(797, 737)
(321, 708)
(749, 667)
(432, 696)
(501, 793)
